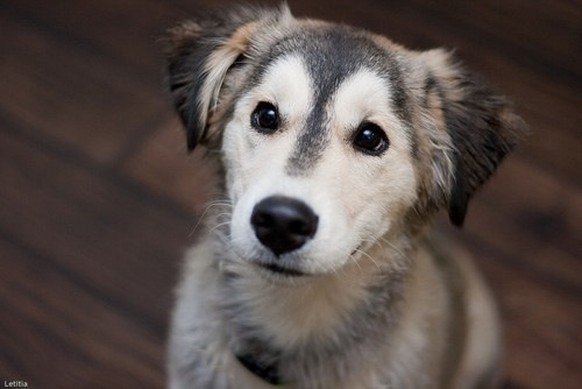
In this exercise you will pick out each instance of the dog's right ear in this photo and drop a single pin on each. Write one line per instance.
(481, 125)
(200, 54)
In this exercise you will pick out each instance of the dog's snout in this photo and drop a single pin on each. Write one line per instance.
(283, 224)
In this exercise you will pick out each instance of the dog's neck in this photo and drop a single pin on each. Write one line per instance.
(292, 329)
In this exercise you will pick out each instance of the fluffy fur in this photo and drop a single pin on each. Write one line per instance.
(370, 301)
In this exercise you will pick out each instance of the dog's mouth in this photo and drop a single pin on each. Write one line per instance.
(281, 270)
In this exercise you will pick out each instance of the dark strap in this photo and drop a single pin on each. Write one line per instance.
(268, 373)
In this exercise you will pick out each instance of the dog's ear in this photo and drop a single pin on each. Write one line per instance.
(481, 126)
(201, 53)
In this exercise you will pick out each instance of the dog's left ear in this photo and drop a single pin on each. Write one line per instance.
(481, 125)
(203, 52)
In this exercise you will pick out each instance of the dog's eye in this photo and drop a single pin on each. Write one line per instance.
(265, 118)
(370, 139)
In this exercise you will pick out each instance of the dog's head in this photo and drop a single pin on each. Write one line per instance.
(332, 138)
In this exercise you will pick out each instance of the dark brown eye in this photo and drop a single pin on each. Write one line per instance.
(370, 139)
(265, 118)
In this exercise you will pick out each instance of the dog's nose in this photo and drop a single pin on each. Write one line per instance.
(283, 224)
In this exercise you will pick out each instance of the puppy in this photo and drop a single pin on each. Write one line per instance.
(336, 149)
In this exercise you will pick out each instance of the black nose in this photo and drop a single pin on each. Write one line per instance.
(283, 224)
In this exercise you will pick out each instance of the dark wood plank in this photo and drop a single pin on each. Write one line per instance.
(549, 210)
(124, 32)
(109, 234)
(55, 333)
(70, 95)
(543, 36)
(163, 165)
(542, 325)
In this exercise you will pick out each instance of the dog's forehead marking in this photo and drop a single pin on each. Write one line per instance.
(365, 95)
(287, 84)
(328, 55)
(332, 55)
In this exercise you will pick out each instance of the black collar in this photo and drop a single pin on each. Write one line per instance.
(268, 373)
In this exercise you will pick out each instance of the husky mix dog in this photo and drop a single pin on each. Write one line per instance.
(336, 149)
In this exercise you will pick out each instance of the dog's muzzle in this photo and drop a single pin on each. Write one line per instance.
(283, 224)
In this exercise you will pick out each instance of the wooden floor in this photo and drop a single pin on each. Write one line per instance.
(98, 198)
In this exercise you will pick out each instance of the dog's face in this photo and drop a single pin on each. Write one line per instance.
(332, 143)
(332, 139)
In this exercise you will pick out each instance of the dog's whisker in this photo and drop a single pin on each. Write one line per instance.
(362, 252)
(201, 218)
(355, 261)
(218, 226)
(218, 203)
(382, 240)
(223, 214)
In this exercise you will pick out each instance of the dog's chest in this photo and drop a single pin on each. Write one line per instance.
(331, 334)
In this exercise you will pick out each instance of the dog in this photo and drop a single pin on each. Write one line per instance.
(336, 149)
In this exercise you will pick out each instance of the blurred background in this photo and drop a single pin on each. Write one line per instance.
(98, 198)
